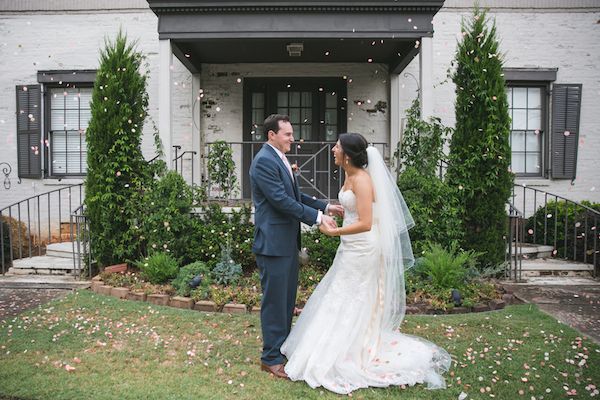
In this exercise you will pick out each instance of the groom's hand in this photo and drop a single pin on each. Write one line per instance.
(336, 209)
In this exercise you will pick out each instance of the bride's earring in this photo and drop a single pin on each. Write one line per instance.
(347, 161)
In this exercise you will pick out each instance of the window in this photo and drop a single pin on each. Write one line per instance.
(69, 117)
(545, 123)
(526, 106)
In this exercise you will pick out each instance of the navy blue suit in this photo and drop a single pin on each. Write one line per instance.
(279, 209)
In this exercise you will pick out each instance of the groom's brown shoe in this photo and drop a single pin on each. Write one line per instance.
(277, 370)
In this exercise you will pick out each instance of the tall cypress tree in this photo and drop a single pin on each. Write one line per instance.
(479, 157)
(117, 171)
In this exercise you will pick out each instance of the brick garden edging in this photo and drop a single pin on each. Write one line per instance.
(233, 308)
(165, 300)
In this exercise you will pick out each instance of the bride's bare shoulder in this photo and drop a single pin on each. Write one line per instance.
(363, 178)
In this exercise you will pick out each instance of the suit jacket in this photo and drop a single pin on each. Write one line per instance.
(279, 205)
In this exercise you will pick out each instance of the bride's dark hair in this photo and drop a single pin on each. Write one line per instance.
(355, 146)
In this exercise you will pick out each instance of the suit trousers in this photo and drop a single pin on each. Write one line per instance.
(279, 282)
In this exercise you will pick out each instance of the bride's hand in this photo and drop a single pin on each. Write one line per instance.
(336, 209)
(328, 226)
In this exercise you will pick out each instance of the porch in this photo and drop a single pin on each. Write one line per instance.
(332, 66)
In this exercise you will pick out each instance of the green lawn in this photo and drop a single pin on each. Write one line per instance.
(128, 350)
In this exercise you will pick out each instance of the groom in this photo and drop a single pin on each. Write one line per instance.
(279, 209)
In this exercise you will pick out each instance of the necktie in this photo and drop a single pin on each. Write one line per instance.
(287, 164)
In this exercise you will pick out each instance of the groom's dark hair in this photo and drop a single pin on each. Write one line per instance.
(355, 146)
(272, 123)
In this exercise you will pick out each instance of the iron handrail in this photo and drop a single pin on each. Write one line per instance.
(24, 230)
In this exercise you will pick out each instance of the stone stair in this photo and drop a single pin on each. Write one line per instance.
(533, 251)
(537, 263)
(551, 267)
(57, 261)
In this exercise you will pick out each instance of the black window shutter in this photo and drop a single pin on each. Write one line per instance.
(566, 105)
(29, 131)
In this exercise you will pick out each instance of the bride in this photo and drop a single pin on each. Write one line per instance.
(347, 336)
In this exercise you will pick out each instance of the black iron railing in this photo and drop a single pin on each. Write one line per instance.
(29, 225)
(180, 161)
(571, 228)
(514, 242)
(316, 172)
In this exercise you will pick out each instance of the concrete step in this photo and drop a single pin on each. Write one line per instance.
(62, 250)
(546, 267)
(42, 282)
(42, 265)
(532, 251)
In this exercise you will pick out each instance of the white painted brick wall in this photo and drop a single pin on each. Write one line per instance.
(569, 41)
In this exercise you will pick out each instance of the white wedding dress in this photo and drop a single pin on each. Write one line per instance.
(339, 341)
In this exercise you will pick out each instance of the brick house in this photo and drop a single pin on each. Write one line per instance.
(216, 69)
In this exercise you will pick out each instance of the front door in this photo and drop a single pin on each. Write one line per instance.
(317, 111)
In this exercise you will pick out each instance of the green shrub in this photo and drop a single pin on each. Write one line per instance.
(158, 267)
(549, 222)
(117, 171)
(248, 295)
(221, 295)
(221, 169)
(167, 223)
(435, 208)
(445, 269)
(227, 271)
(479, 158)
(321, 248)
(187, 273)
(213, 228)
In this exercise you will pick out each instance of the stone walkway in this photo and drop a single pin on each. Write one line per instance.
(572, 301)
(15, 301)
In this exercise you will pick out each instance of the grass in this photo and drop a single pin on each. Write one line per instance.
(129, 350)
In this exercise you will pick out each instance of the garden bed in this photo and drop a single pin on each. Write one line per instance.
(217, 298)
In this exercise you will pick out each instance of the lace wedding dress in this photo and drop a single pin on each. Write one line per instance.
(340, 341)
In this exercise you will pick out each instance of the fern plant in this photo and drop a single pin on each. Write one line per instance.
(158, 268)
(446, 268)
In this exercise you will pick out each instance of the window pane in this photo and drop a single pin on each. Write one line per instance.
(59, 163)
(282, 110)
(509, 97)
(306, 132)
(57, 120)
(85, 115)
(294, 99)
(533, 142)
(258, 116)
(68, 152)
(85, 97)
(519, 97)
(331, 133)
(533, 163)
(534, 119)
(331, 116)
(295, 115)
(282, 99)
(71, 119)
(331, 100)
(518, 163)
(258, 100)
(519, 119)
(257, 132)
(517, 141)
(534, 98)
(306, 99)
(306, 115)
